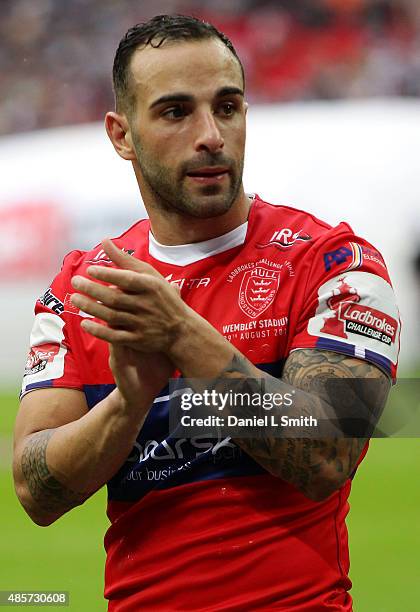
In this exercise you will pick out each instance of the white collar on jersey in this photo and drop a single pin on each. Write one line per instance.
(185, 254)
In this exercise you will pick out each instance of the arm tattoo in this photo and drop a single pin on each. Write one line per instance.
(47, 491)
(332, 385)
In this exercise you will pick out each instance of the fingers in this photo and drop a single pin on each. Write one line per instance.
(114, 318)
(127, 280)
(109, 295)
(113, 336)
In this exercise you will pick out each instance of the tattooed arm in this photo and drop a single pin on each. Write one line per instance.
(74, 452)
(47, 492)
(337, 388)
(64, 452)
(317, 467)
(42, 413)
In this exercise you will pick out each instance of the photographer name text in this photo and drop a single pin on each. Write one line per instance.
(268, 420)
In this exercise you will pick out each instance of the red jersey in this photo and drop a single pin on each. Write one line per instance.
(196, 524)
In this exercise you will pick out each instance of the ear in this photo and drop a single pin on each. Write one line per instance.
(118, 130)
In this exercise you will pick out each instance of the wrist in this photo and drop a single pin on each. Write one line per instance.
(136, 407)
(199, 350)
(183, 339)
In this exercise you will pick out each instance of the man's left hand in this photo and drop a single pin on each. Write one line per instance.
(139, 307)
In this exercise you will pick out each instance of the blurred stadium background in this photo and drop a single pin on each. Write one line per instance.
(334, 127)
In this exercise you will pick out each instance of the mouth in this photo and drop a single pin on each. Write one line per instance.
(208, 175)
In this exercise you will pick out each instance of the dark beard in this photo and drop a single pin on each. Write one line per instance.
(172, 199)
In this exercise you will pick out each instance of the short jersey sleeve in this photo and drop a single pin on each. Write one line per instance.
(51, 362)
(349, 305)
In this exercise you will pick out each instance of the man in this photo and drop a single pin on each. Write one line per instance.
(217, 285)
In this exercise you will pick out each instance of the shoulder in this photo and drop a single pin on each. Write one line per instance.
(291, 212)
(291, 224)
(75, 261)
(128, 241)
(337, 246)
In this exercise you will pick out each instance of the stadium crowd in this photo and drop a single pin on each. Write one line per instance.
(55, 56)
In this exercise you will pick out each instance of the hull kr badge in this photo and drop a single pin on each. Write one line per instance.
(258, 290)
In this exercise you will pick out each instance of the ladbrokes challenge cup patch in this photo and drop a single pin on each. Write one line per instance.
(359, 309)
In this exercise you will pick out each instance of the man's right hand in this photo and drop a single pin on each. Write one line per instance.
(136, 373)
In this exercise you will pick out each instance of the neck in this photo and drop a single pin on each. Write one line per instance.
(171, 228)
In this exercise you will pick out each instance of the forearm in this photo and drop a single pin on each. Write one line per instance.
(319, 453)
(316, 467)
(315, 464)
(58, 469)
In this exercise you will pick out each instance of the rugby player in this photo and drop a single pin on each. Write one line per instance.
(216, 284)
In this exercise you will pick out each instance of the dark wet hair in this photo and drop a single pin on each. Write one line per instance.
(155, 32)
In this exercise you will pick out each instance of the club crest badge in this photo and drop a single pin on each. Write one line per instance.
(258, 289)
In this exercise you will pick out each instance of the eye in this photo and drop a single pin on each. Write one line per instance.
(228, 108)
(175, 112)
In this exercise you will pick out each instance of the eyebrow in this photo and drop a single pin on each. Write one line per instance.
(184, 97)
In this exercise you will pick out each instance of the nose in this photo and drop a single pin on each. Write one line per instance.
(209, 137)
